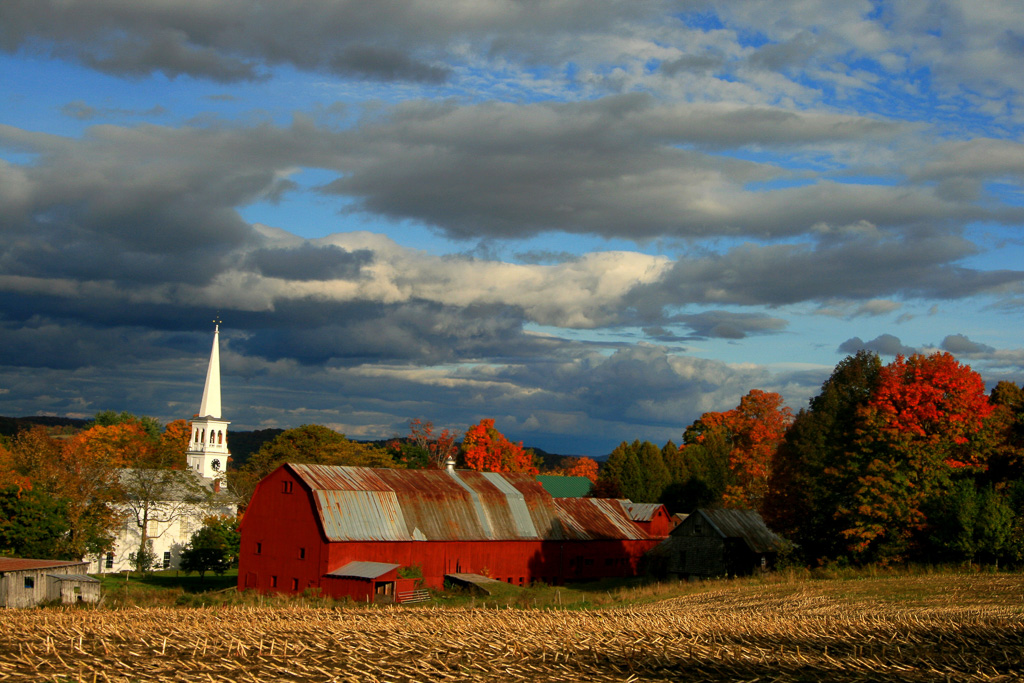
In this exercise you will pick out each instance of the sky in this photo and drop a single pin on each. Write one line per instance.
(589, 220)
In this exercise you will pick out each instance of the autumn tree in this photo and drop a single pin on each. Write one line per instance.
(580, 467)
(172, 446)
(424, 448)
(485, 449)
(916, 436)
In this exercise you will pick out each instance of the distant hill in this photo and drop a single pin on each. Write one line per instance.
(9, 426)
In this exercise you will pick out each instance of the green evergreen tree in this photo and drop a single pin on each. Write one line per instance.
(810, 479)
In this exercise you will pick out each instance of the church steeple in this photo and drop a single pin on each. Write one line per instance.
(208, 448)
(210, 405)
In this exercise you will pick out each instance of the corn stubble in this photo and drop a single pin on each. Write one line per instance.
(766, 633)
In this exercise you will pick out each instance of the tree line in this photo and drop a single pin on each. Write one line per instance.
(906, 461)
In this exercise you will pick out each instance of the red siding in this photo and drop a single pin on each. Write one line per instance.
(281, 519)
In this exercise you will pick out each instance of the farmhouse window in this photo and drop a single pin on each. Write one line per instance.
(30, 582)
(110, 561)
(167, 559)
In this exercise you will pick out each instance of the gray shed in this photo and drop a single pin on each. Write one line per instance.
(716, 542)
(26, 582)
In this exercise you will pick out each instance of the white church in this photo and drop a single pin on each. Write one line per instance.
(171, 504)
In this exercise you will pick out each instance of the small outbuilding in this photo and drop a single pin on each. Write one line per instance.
(717, 542)
(26, 582)
(652, 518)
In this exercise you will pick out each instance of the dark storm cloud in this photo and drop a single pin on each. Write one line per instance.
(310, 262)
(883, 344)
(960, 344)
(385, 65)
(233, 40)
(862, 266)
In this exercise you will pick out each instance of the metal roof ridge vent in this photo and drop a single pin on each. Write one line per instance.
(481, 510)
(449, 464)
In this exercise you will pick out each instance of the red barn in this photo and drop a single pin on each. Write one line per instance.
(307, 523)
(653, 518)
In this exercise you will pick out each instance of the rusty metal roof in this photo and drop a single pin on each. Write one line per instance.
(14, 564)
(364, 504)
(640, 512)
(594, 519)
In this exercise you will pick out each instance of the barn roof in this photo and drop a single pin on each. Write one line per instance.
(364, 570)
(745, 524)
(14, 564)
(364, 504)
(640, 512)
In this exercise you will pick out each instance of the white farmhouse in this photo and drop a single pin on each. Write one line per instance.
(162, 508)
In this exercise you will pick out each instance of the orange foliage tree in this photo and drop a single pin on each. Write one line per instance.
(753, 430)
(916, 431)
(582, 467)
(485, 449)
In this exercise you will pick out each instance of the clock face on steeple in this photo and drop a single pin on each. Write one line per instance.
(215, 464)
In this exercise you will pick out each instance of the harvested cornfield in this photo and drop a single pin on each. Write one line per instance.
(956, 628)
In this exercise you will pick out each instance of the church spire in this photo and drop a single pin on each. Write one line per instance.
(210, 405)
(208, 452)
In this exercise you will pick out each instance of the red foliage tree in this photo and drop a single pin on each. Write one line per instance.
(915, 432)
(485, 449)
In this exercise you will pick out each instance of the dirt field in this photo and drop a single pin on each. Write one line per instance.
(931, 628)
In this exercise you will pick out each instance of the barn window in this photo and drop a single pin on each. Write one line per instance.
(259, 547)
(30, 582)
(295, 584)
(110, 561)
(698, 528)
(273, 582)
(302, 553)
(287, 486)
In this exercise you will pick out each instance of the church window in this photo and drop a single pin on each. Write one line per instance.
(211, 436)
(197, 434)
(204, 435)
(220, 437)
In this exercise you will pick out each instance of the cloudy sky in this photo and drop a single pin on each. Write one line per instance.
(591, 220)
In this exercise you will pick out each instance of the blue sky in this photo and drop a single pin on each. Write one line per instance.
(592, 221)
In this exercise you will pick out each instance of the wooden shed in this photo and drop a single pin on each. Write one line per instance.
(26, 582)
(717, 542)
